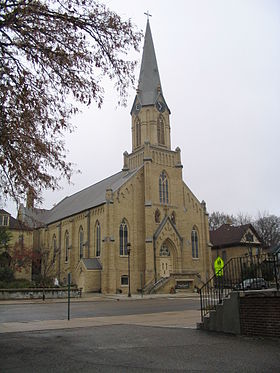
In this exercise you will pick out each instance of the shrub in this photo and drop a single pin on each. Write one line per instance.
(6, 274)
(39, 281)
(16, 284)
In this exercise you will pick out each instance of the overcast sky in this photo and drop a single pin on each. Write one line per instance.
(219, 64)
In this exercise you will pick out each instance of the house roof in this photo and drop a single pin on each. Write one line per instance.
(227, 234)
(83, 200)
(13, 223)
(275, 250)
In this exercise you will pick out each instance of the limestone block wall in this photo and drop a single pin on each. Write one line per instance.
(89, 280)
(128, 204)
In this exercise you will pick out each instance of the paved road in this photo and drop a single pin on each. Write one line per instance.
(134, 348)
(155, 335)
(58, 311)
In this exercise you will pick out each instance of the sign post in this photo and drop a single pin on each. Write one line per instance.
(219, 272)
(219, 265)
(69, 284)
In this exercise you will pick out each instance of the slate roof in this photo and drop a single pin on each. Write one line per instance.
(83, 200)
(149, 78)
(227, 234)
(34, 217)
(13, 223)
(92, 263)
(149, 85)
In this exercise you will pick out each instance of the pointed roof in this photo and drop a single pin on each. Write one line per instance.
(149, 79)
(228, 235)
(162, 224)
(12, 222)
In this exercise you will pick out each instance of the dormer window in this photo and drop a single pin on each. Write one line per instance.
(4, 220)
(249, 237)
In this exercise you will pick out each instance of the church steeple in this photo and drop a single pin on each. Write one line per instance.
(149, 81)
(150, 113)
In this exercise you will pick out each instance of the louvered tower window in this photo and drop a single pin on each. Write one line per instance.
(160, 130)
(138, 132)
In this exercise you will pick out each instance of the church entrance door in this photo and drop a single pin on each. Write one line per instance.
(165, 263)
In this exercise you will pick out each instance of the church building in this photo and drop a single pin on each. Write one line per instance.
(141, 229)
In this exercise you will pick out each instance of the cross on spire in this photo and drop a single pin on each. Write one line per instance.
(148, 15)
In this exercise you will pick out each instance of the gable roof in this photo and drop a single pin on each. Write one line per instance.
(162, 224)
(227, 235)
(83, 200)
(13, 223)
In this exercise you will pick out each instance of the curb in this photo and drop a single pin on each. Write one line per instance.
(101, 297)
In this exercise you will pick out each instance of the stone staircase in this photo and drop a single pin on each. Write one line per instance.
(160, 283)
(225, 318)
(153, 288)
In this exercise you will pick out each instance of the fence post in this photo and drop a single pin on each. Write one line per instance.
(201, 313)
(219, 289)
(69, 284)
(241, 270)
(275, 272)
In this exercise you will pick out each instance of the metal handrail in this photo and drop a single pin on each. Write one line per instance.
(240, 273)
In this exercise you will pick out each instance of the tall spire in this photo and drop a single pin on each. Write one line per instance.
(149, 81)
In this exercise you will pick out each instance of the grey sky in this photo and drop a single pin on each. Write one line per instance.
(219, 64)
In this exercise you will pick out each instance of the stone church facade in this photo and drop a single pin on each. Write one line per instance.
(144, 217)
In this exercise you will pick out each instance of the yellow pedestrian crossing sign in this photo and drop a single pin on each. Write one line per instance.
(219, 265)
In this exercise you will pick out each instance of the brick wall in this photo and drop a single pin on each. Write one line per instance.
(260, 314)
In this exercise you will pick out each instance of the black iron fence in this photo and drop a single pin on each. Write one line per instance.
(240, 274)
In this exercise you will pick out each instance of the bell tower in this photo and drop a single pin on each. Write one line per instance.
(150, 113)
(150, 116)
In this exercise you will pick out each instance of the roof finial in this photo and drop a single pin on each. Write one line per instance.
(148, 15)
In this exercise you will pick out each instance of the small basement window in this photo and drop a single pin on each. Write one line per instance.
(124, 280)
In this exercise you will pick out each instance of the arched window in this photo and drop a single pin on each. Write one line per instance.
(66, 245)
(123, 238)
(54, 245)
(160, 130)
(164, 251)
(163, 188)
(194, 243)
(138, 132)
(157, 216)
(97, 239)
(81, 242)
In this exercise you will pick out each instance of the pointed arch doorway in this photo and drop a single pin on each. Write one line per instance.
(165, 261)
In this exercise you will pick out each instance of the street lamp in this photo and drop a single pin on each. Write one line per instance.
(128, 254)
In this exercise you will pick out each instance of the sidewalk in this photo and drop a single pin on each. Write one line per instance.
(175, 319)
(97, 297)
